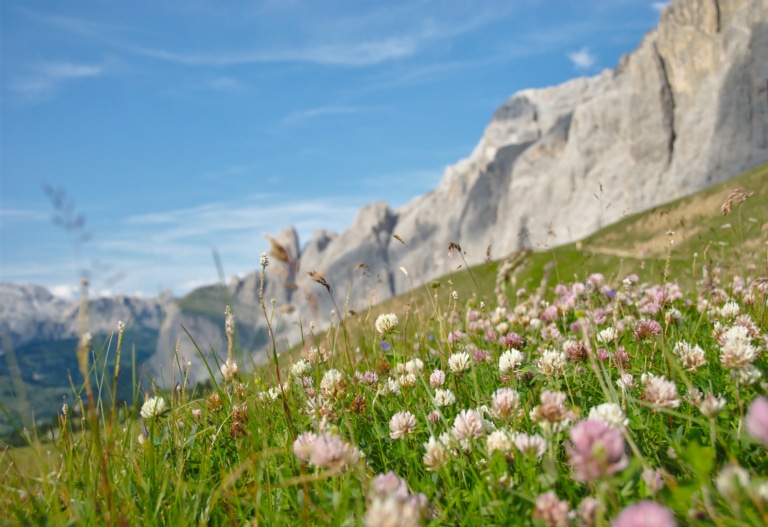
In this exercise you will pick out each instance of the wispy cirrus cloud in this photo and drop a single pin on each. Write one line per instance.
(659, 6)
(583, 59)
(41, 81)
(348, 54)
(312, 113)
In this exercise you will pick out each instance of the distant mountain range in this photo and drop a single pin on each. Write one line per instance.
(687, 109)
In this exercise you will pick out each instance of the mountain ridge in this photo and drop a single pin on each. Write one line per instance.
(685, 110)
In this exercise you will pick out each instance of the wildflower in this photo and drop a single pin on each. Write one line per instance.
(407, 381)
(263, 260)
(367, 377)
(414, 366)
(498, 440)
(530, 444)
(711, 405)
(434, 416)
(609, 413)
(653, 479)
(691, 357)
(331, 452)
(401, 425)
(729, 310)
(301, 368)
(230, 370)
(333, 385)
(513, 341)
(757, 420)
(575, 350)
(737, 351)
(437, 378)
(469, 424)
(747, 375)
(444, 397)
(645, 513)
(510, 360)
(318, 355)
(552, 408)
(506, 403)
(392, 505)
(550, 511)
(436, 455)
(459, 362)
(197, 413)
(386, 323)
(626, 381)
(660, 392)
(552, 363)
(596, 450)
(730, 480)
(152, 407)
(390, 387)
(647, 329)
(587, 511)
(608, 335)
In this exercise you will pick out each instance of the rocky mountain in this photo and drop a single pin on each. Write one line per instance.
(687, 109)
(30, 313)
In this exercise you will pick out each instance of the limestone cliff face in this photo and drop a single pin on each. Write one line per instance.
(687, 109)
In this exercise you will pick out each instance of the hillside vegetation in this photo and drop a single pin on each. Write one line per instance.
(618, 380)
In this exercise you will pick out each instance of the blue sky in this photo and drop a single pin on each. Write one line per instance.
(178, 127)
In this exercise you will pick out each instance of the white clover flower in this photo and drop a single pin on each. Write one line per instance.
(660, 392)
(690, 357)
(730, 310)
(230, 370)
(499, 440)
(738, 351)
(437, 454)
(711, 405)
(626, 381)
(459, 362)
(609, 413)
(530, 444)
(746, 376)
(152, 407)
(444, 398)
(386, 323)
(302, 446)
(414, 366)
(402, 424)
(469, 424)
(437, 378)
(390, 387)
(608, 335)
(510, 360)
(552, 363)
(408, 380)
(301, 368)
(506, 404)
(332, 384)
(731, 480)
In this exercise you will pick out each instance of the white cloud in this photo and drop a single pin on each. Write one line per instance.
(303, 115)
(65, 291)
(583, 59)
(226, 85)
(348, 54)
(659, 6)
(42, 80)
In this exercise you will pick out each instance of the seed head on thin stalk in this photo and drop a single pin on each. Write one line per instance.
(264, 260)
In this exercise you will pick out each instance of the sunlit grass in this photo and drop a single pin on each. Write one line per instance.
(436, 419)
